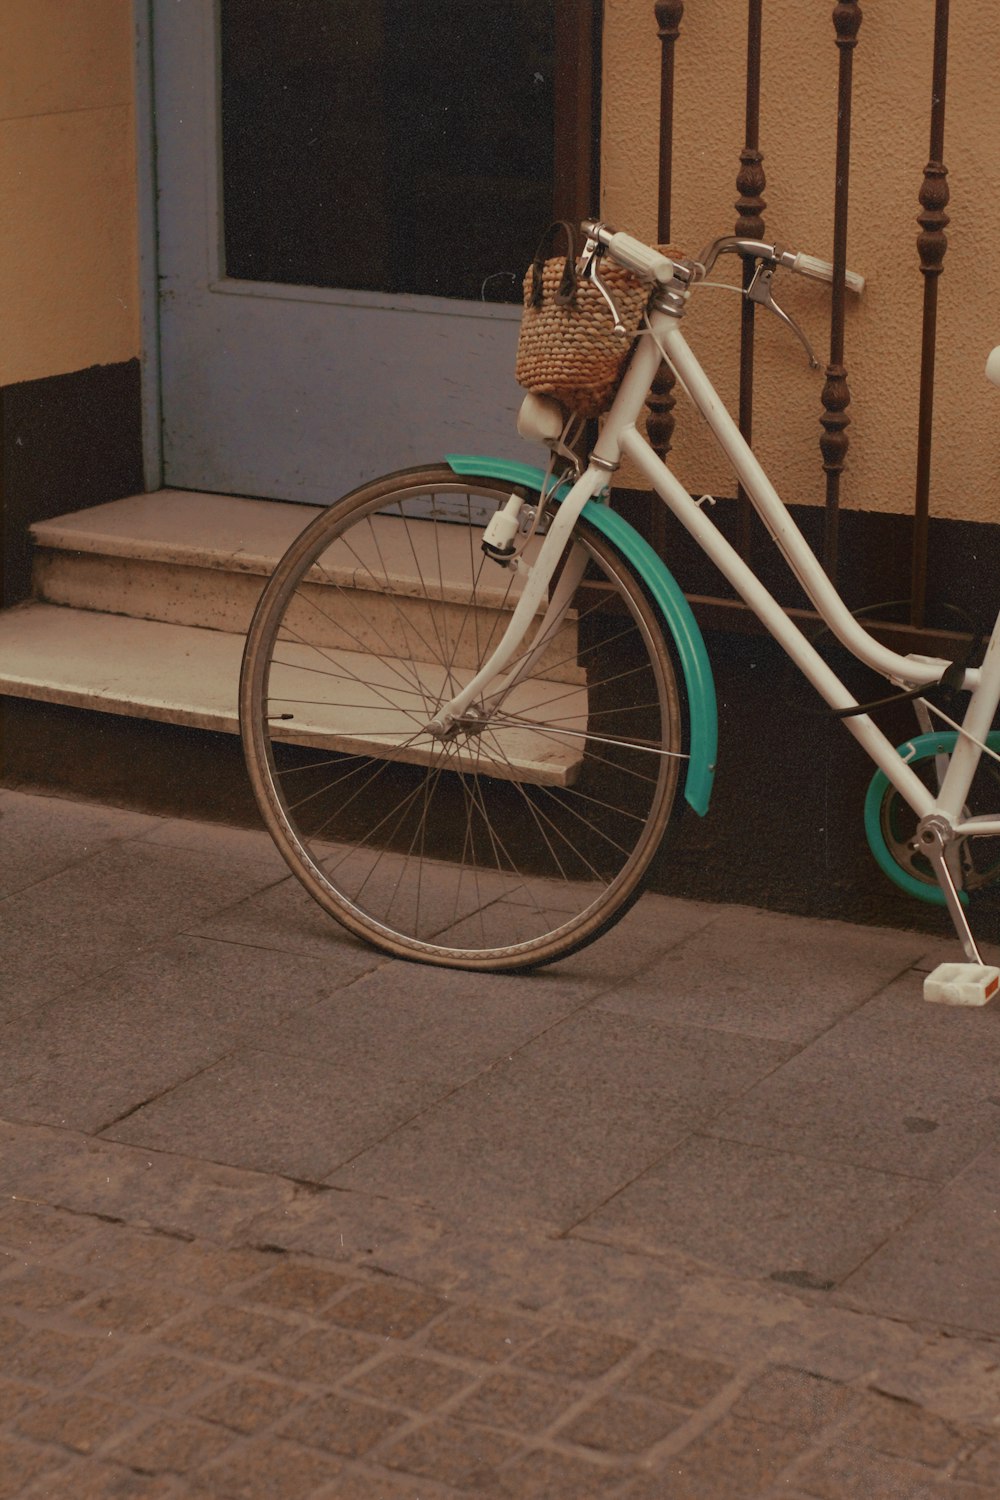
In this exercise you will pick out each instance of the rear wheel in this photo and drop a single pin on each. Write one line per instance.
(527, 828)
(891, 824)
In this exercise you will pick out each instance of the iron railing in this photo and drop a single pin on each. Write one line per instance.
(834, 417)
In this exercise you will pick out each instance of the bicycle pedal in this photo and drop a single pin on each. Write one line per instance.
(962, 984)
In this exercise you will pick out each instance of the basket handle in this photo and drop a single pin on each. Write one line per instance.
(567, 286)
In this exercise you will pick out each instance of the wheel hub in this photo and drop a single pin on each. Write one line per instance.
(473, 721)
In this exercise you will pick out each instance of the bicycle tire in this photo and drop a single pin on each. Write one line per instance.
(527, 833)
(890, 824)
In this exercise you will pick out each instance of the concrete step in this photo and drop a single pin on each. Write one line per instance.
(184, 674)
(144, 668)
(172, 555)
(142, 607)
(200, 560)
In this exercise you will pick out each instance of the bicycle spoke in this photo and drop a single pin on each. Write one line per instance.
(538, 813)
(382, 766)
(543, 728)
(382, 588)
(342, 675)
(391, 660)
(513, 838)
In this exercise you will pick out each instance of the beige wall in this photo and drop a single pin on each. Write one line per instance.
(68, 262)
(889, 148)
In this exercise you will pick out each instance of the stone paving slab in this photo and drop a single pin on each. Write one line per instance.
(41, 836)
(262, 1109)
(414, 1021)
(353, 1063)
(283, 918)
(596, 1098)
(102, 1049)
(83, 920)
(946, 1262)
(618, 1228)
(782, 977)
(922, 1110)
(762, 1213)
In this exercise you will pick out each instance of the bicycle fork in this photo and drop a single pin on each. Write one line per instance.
(488, 686)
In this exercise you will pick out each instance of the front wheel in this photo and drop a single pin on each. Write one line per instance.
(521, 832)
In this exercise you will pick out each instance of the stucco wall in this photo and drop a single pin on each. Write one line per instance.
(68, 262)
(891, 123)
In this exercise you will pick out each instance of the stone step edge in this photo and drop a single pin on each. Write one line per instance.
(149, 669)
(187, 528)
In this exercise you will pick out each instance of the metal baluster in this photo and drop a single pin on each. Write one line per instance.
(574, 176)
(836, 395)
(931, 246)
(750, 184)
(661, 400)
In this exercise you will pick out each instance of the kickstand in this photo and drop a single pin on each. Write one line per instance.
(936, 854)
(971, 983)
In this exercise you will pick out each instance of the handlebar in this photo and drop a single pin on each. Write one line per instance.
(646, 262)
(805, 265)
(650, 264)
(821, 270)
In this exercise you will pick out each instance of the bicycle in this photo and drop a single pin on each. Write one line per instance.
(472, 695)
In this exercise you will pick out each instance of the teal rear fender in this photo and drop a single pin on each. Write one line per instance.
(922, 747)
(703, 720)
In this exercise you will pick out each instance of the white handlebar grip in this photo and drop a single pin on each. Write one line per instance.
(821, 270)
(993, 366)
(642, 259)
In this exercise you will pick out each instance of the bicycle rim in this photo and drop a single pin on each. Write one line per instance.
(528, 831)
(977, 859)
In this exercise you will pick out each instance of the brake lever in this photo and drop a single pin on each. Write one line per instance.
(591, 253)
(760, 291)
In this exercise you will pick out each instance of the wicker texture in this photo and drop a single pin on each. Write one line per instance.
(567, 346)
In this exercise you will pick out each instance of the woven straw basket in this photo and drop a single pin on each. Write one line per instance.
(567, 346)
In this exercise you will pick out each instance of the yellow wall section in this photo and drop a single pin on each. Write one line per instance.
(890, 136)
(68, 262)
(68, 256)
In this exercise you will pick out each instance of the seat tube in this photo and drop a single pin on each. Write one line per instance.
(977, 722)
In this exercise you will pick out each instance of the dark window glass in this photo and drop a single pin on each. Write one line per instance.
(390, 145)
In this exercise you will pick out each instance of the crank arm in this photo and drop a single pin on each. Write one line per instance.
(934, 846)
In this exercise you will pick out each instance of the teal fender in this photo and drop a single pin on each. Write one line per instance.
(669, 600)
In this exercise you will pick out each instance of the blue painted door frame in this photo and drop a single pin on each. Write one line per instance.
(290, 392)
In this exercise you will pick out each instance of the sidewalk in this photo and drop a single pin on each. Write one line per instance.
(708, 1211)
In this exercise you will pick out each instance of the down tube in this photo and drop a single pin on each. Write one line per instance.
(787, 538)
(785, 632)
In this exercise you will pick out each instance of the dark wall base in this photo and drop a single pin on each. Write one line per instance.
(68, 442)
(875, 550)
(165, 769)
(784, 830)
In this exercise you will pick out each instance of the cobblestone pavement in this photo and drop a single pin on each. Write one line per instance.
(138, 1363)
(282, 1219)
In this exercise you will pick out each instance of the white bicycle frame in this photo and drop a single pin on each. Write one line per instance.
(663, 339)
